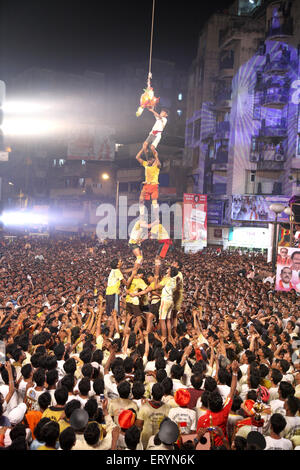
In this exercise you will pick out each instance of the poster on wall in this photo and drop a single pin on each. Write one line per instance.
(288, 269)
(195, 220)
(257, 208)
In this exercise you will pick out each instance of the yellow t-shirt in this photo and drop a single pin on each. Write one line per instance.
(113, 283)
(169, 286)
(159, 232)
(136, 284)
(152, 418)
(151, 173)
(54, 413)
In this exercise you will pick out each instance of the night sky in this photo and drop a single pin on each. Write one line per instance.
(77, 35)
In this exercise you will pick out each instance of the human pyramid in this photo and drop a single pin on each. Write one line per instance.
(166, 294)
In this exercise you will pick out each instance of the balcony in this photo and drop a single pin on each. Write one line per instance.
(270, 159)
(280, 66)
(220, 163)
(276, 100)
(222, 130)
(273, 131)
(270, 165)
(232, 33)
(223, 99)
(282, 30)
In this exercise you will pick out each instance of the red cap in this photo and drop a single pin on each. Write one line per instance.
(182, 397)
(126, 419)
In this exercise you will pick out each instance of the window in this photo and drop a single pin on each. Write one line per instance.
(179, 96)
(83, 162)
(179, 112)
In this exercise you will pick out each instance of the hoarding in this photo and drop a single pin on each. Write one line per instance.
(195, 220)
(256, 208)
(215, 210)
(288, 269)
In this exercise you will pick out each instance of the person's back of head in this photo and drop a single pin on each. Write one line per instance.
(240, 443)
(39, 377)
(138, 390)
(69, 366)
(293, 405)
(38, 428)
(119, 373)
(196, 381)
(91, 407)
(128, 365)
(210, 384)
(124, 389)
(97, 356)
(67, 438)
(286, 389)
(132, 437)
(59, 351)
(254, 379)
(84, 386)
(167, 384)
(44, 400)
(86, 355)
(68, 381)
(87, 370)
(19, 430)
(98, 386)
(61, 395)
(276, 376)
(92, 434)
(215, 401)
(177, 371)
(50, 433)
(51, 377)
(223, 376)
(160, 363)
(51, 362)
(278, 423)
(284, 365)
(263, 370)
(161, 374)
(236, 403)
(71, 406)
(157, 392)
(19, 444)
(26, 371)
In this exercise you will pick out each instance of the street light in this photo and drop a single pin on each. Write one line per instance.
(105, 176)
(277, 208)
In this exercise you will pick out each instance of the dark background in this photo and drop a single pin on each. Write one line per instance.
(73, 36)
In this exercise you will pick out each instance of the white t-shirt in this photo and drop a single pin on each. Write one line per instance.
(277, 406)
(13, 402)
(292, 427)
(185, 418)
(159, 124)
(278, 444)
(224, 391)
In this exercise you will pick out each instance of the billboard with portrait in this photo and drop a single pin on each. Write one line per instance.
(256, 208)
(195, 219)
(288, 269)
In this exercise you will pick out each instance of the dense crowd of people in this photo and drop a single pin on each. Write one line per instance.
(198, 351)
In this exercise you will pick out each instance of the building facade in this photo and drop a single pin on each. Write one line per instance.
(242, 131)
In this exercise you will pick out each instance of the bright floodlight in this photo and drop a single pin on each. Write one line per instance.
(105, 176)
(24, 126)
(24, 107)
(24, 219)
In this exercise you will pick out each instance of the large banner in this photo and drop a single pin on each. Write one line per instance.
(257, 208)
(88, 142)
(288, 269)
(215, 210)
(195, 220)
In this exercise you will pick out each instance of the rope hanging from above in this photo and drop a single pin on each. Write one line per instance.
(147, 99)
